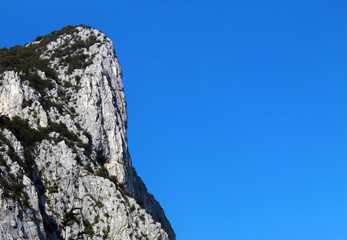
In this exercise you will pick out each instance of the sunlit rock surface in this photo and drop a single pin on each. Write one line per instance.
(65, 169)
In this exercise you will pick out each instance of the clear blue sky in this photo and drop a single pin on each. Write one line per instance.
(237, 109)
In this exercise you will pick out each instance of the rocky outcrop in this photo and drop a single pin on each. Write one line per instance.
(65, 169)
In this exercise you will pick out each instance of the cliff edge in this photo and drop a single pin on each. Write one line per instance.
(65, 169)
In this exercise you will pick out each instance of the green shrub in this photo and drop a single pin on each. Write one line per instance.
(48, 104)
(102, 172)
(88, 228)
(63, 131)
(142, 217)
(99, 204)
(21, 129)
(106, 232)
(132, 208)
(76, 62)
(78, 79)
(35, 81)
(13, 188)
(27, 61)
(100, 158)
(27, 103)
(52, 189)
(38, 38)
(114, 180)
(78, 159)
(2, 161)
(29, 137)
(89, 168)
(70, 217)
(123, 190)
(139, 201)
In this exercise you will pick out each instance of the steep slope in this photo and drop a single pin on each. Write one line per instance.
(65, 169)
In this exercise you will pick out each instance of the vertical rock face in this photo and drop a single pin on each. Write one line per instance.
(65, 169)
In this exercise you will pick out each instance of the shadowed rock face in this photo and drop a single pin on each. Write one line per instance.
(65, 169)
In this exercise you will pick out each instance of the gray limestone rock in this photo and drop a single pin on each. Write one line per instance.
(65, 169)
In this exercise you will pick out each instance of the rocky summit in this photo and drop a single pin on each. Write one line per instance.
(65, 169)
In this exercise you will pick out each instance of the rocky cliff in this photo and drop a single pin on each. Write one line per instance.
(65, 169)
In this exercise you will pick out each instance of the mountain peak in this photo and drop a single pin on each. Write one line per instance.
(63, 130)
